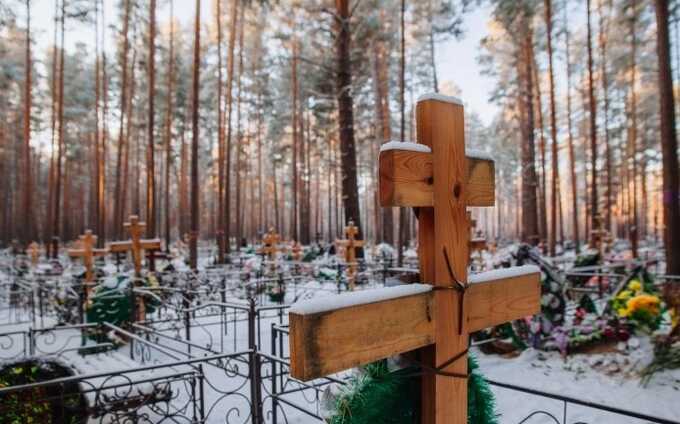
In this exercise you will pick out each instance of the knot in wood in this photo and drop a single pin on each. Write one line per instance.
(457, 188)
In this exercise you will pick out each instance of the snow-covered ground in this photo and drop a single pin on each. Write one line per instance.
(609, 379)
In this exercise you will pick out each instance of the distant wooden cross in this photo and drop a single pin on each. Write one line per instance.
(296, 251)
(477, 242)
(270, 244)
(439, 178)
(601, 236)
(136, 244)
(87, 252)
(33, 251)
(349, 246)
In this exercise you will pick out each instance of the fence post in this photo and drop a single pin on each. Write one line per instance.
(254, 367)
(274, 371)
(201, 393)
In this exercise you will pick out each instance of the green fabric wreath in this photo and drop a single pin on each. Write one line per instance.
(381, 396)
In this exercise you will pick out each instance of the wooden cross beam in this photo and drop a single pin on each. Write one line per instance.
(136, 244)
(349, 246)
(87, 252)
(437, 176)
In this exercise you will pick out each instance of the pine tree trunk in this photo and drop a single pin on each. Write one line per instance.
(294, 141)
(669, 143)
(118, 196)
(103, 198)
(151, 156)
(553, 131)
(603, 35)
(350, 192)
(27, 233)
(239, 133)
(60, 142)
(97, 150)
(529, 230)
(384, 124)
(230, 79)
(195, 191)
(403, 235)
(594, 221)
(168, 124)
(220, 136)
(633, 235)
(50, 230)
(542, 198)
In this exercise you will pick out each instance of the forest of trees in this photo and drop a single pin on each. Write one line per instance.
(271, 114)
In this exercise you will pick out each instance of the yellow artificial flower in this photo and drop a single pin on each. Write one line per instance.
(623, 312)
(645, 302)
(625, 294)
(635, 285)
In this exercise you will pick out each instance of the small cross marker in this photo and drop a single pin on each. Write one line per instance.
(34, 252)
(349, 247)
(87, 252)
(136, 244)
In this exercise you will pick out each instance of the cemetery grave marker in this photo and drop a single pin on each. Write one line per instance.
(87, 252)
(34, 252)
(296, 251)
(349, 246)
(270, 244)
(136, 244)
(436, 175)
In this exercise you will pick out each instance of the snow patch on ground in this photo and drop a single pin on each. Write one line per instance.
(610, 379)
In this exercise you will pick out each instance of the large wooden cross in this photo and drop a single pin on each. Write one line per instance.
(438, 177)
(136, 244)
(87, 252)
(349, 246)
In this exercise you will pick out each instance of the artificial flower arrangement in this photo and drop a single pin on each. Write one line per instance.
(638, 306)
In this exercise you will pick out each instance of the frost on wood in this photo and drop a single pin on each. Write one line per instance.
(441, 98)
(405, 145)
(330, 303)
(504, 273)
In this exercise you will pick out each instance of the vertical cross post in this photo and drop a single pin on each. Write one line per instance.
(443, 253)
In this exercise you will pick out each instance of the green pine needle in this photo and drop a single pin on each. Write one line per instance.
(381, 396)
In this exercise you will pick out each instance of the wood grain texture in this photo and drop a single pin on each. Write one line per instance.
(442, 124)
(327, 342)
(495, 302)
(407, 179)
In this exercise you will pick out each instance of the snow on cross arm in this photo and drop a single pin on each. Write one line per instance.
(363, 297)
(405, 145)
(503, 273)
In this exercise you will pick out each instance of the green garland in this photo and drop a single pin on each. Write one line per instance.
(381, 396)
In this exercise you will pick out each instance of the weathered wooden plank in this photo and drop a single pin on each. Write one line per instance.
(327, 342)
(406, 179)
(441, 126)
(495, 302)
